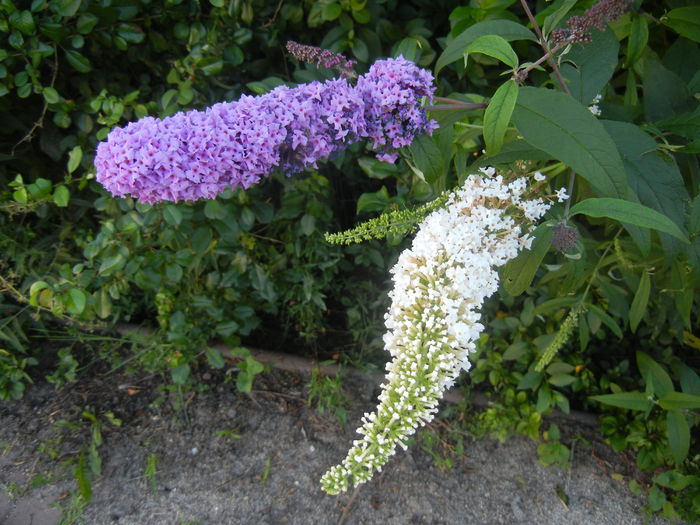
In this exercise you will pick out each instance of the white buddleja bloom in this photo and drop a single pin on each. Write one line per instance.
(561, 195)
(433, 322)
(594, 108)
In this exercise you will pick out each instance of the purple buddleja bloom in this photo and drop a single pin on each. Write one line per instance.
(392, 90)
(198, 154)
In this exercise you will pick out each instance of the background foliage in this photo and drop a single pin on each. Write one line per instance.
(616, 312)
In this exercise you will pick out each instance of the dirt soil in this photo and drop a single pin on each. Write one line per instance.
(224, 457)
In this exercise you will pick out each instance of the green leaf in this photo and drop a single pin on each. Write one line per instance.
(628, 212)
(131, 33)
(518, 273)
(74, 157)
(210, 66)
(497, 116)
(562, 379)
(80, 474)
(180, 373)
(605, 319)
(679, 401)
(593, 65)
(559, 125)
(639, 303)
(678, 435)
(51, 95)
(67, 7)
(504, 28)
(61, 196)
(86, 23)
(552, 21)
(214, 210)
(377, 169)
(653, 176)
(78, 61)
(685, 124)
(227, 328)
(665, 93)
(376, 201)
(494, 46)
(637, 41)
(22, 20)
(531, 380)
(34, 290)
(172, 214)
(307, 225)
(214, 357)
(201, 240)
(407, 48)
(689, 379)
(331, 11)
(672, 479)
(75, 301)
(428, 158)
(174, 272)
(103, 304)
(685, 21)
(654, 373)
(112, 264)
(631, 400)
(510, 152)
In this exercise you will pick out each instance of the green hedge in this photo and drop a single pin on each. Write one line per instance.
(616, 313)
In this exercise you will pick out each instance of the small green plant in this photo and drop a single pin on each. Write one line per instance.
(227, 434)
(552, 451)
(248, 368)
(13, 375)
(328, 395)
(66, 370)
(266, 471)
(13, 490)
(150, 471)
(680, 407)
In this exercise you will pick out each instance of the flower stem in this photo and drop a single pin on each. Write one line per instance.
(547, 51)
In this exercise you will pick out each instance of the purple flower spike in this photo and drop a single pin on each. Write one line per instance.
(197, 154)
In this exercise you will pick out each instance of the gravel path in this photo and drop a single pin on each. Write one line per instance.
(229, 458)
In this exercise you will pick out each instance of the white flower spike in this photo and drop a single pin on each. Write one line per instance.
(433, 322)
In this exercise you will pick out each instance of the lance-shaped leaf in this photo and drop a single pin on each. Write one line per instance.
(494, 46)
(497, 116)
(631, 400)
(630, 213)
(507, 29)
(559, 125)
(518, 273)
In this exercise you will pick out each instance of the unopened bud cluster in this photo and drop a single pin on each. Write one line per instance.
(597, 16)
(322, 58)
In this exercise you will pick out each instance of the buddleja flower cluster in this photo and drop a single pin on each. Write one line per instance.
(197, 154)
(433, 322)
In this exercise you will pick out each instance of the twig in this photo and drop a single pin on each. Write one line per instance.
(569, 191)
(543, 44)
(346, 511)
(274, 15)
(278, 394)
(40, 122)
(523, 73)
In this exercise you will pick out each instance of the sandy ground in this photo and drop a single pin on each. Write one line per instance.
(229, 458)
